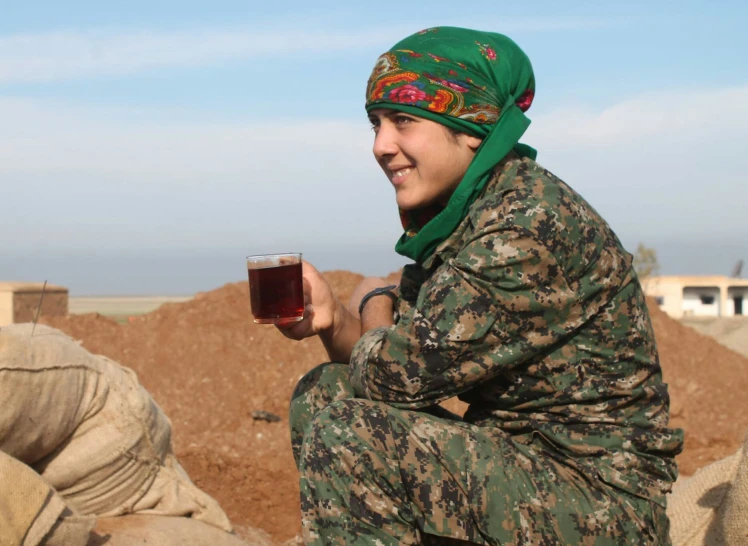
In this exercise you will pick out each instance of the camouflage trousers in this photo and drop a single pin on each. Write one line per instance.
(375, 474)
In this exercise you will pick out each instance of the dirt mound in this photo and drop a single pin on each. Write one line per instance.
(210, 367)
(708, 390)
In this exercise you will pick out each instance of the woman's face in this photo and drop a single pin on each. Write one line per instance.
(423, 160)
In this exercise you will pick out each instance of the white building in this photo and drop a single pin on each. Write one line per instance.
(707, 296)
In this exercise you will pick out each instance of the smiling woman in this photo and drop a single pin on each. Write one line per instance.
(423, 159)
(521, 302)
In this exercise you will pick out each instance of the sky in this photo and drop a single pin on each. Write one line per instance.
(148, 147)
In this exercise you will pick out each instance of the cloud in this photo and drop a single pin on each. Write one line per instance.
(39, 141)
(73, 176)
(668, 165)
(662, 165)
(74, 55)
(651, 116)
(70, 55)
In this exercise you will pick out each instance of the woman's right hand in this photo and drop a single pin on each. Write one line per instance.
(320, 306)
(326, 317)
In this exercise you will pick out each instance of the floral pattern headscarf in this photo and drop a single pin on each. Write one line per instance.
(475, 82)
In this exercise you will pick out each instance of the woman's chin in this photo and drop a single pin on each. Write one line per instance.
(405, 202)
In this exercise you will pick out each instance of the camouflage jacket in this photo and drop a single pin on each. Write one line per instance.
(531, 312)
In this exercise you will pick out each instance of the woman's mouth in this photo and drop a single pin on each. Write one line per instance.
(399, 175)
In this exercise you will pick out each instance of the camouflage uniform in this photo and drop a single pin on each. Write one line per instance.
(532, 314)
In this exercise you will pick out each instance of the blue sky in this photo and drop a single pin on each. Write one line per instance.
(140, 137)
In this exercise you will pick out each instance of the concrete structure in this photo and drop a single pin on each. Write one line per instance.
(708, 296)
(19, 301)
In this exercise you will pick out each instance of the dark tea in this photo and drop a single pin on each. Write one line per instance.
(276, 293)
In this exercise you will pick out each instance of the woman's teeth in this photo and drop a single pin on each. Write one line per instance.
(400, 173)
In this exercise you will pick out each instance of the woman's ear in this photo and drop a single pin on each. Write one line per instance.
(473, 142)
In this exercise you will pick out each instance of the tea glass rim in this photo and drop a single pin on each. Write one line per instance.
(273, 255)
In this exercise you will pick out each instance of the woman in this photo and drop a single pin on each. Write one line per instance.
(521, 302)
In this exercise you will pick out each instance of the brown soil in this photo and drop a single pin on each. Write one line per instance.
(708, 391)
(209, 367)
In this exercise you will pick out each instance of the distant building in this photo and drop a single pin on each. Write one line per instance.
(19, 301)
(707, 296)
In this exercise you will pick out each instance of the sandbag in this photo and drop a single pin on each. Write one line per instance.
(91, 430)
(31, 511)
(165, 531)
(711, 507)
(48, 386)
(70, 529)
(733, 513)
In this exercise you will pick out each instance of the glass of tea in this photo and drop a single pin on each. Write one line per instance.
(276, 288)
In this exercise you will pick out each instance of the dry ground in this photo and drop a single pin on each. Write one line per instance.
(120, 307)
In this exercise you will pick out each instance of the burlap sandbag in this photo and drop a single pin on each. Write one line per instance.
(711, 507)
(89, 428)
(733, 513)
(32, 513)
(137, 530)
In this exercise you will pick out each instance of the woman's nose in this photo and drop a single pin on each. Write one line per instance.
(384, 143)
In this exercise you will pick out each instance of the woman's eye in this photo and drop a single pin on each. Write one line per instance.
(402, 120)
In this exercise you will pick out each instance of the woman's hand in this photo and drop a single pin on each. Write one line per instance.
(320, 306)
(364, 287)
(324, 316)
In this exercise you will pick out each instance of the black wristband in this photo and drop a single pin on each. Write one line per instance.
(382, 291)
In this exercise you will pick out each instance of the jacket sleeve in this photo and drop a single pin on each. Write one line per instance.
(500, 301)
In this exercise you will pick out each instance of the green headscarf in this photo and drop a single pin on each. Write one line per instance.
(474, 82)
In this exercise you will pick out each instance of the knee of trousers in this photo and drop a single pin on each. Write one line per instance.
(342, 420)
(326, 377)
(345, 412)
